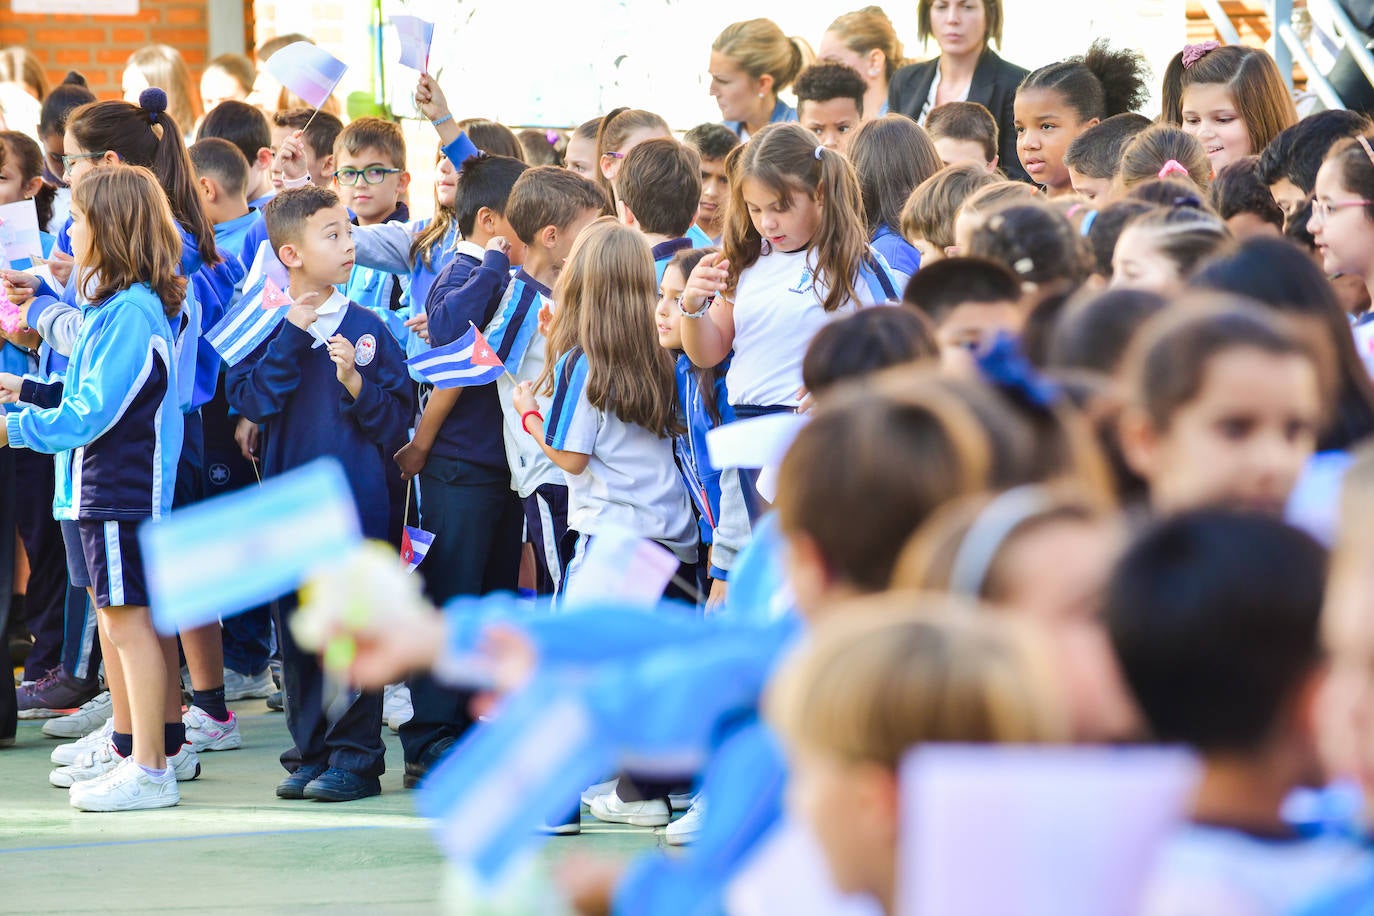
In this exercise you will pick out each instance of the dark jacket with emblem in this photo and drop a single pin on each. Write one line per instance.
(292, 389)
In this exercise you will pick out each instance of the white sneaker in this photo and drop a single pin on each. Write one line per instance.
(685, 829)
(91, 765)
(206, 733)
(128, 788)
(88, 717)
(682, 802)
(396, 708)
(247, 686)
(651, 813)
(68, 754)
(598, 790)
(184, 764)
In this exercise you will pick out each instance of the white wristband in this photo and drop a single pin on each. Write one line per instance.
(293, 183)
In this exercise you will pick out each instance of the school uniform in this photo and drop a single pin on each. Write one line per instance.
(781, 112)
(631, 481)
(382, 292)
(663, 253)
(114, 423)
(289, 386)
(901, 256)
(699, 237)
(230, 236)
(778, 309)
(912, 92)
(466, 500)
(385, 248)
(537, 481)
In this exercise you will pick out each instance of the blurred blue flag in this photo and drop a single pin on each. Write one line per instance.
(307, 70)
(225, 555)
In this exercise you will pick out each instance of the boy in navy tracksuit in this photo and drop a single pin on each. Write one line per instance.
(466, 498)
(331, 380)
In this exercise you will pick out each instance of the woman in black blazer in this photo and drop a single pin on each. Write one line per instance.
(966, 69)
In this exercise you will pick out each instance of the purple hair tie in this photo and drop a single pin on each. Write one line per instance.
(1194, 53)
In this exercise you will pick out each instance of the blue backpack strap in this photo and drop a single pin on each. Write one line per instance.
(888, 289)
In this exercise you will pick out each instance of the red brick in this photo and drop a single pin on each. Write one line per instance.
(61, 38)
(117, 56)
(12, 36)
(127, 36)
(185, 15)
(193, 56)
(181, 38)
(72, 56)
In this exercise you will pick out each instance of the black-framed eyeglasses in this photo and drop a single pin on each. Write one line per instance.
(371, 175)
(72, 159)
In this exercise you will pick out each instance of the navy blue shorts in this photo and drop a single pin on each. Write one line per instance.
(76, 556)
(114, 562)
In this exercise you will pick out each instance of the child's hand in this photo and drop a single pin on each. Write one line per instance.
(499, 243)
(290, 159)
(304, 311)
(9, 388)
(708, 279)
(411, 459)
(716, 599)
(429, 98)
(342, 353)
(420, 325)
(248, 434)
(60, 265)
(545, 319)
(523, 397)
(19, 286)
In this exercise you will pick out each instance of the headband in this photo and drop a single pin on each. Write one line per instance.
(1173, 167)
(1194, 53)
(989, 532)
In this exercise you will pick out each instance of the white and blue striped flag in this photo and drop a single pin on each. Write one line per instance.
(261, 309)
(469, 360)
(223, 556)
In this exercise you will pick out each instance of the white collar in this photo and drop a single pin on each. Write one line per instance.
(471, 249)
(329, 316)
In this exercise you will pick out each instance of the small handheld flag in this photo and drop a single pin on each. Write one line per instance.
(469, 360)
(307, 70)
(415, 545)
(416, 36)
(240, 331)
(9, 315)
(228, 554)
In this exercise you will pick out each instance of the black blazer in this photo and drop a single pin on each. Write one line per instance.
(994, 86)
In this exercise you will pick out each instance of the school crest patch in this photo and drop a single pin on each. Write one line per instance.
(365, 351)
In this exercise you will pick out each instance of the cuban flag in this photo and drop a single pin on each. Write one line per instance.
(415, 546)
(261, 309)
(307, 70)
(416, 35)
(469, 360)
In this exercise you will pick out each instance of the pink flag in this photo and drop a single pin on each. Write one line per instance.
(308, 71)
(416, 35)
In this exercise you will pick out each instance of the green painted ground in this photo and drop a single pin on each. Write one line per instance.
(232, 846)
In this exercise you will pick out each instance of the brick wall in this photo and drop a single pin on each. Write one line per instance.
(98, 46)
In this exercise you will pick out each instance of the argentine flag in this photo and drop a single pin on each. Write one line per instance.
(261, 309)
(469, 360)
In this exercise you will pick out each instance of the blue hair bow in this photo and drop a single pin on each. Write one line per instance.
(1005, 367)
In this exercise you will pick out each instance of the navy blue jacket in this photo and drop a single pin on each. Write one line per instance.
(469, 292)
(292, 389)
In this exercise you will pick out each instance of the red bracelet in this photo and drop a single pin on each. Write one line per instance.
(524, 418)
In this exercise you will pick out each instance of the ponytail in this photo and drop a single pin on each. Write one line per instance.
(785, 158)
(1097, 85)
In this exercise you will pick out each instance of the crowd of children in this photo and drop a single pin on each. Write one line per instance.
(1069, 378)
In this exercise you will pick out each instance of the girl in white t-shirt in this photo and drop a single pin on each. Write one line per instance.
(796, 254)
(613, 412)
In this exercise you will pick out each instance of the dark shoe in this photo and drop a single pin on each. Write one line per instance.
(55, 694)
(415, 772)
(294, 785)
(276, 702)
(336, 785)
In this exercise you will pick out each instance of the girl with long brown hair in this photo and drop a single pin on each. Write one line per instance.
(115, 424)
(613, 413)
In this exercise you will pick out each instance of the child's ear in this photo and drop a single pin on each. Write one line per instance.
(263, 160)
(33, 187)
(110, 157)
(1139, 442)
(626, 215)
(327, 165)
(548, 237)
(290, 256)
(992, 166)
(207, 188)
(402, 183)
